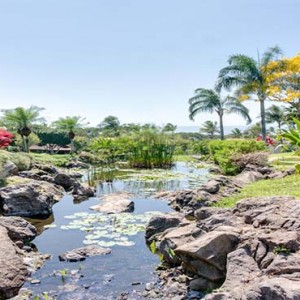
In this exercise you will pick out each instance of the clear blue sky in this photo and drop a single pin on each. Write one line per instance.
(138, 60)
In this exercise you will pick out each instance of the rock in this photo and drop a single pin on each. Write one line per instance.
(114, 204)
(212, 186)
(18, 229)
(202, 284)
(248, 177)
(77, 164)
(33, 174)
(206, 256)
(80, 254)
(8, 169)
(175, 238)
(48, 169)
(64, 180)
(13, 271)
(31, 199)
(158, 224)
(82, 192)
(215, 170)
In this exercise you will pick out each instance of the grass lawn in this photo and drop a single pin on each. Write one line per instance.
(287, 186)
(284, 161)
(184, 158)
(58, 160)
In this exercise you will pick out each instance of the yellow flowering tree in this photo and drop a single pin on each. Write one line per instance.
(284, 81)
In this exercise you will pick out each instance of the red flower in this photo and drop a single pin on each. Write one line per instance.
(5, 138)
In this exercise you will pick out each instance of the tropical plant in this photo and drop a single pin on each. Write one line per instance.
(69, 124)
(33, 139)
(21, 119)
(250, 76)
(275, 114)
(169, 127)
(110, 126)
(236, 133)
(210, 128)
(207, 100)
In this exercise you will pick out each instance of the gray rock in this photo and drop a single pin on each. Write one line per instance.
(30, 199)
(248, 177)
(160, 223)
(211, 186)
(64, 180)
(18, 229)
(81, 191)
(8, 169)
(80, 254)
(207, 255)
(13, 271)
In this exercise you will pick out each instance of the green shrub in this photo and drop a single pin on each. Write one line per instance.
(223, 153)
(22, 160)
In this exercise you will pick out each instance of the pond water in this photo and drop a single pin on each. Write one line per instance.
(130, 264)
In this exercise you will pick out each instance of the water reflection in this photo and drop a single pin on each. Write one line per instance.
(41, 223)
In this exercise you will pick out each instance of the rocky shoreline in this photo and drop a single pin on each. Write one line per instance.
(250, 251)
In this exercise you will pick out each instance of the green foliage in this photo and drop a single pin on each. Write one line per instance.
(287, 186)
(223, 152)
(58, 160)
(280, 249)
(33, 139)
(23, 161)
(146, 149)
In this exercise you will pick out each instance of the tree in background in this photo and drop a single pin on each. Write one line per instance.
(33, 139)
(210, 128)
(206, 100)
(250, 76)
(236, 133)
(284, 81)
(21, 119)
(275, 114)
(69, 124)
(110, 126)
(169, 127)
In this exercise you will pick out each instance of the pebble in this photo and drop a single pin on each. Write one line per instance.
(35, 281)
(149, 286)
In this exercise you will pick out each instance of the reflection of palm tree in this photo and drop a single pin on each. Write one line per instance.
(21, 119)
(69, 124)
(249, 75)
(206, 100)
(210, 128)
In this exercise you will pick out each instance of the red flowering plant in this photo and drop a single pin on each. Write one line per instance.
(5, 138)
(269, 140)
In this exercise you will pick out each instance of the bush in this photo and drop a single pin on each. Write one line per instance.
(22, 160)
(222, 153)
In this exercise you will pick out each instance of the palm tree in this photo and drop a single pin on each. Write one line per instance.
(110, 126)
(236, 133)
(210, 128)
(169, 127)
(21, 119)
(206, 100)
(250, 77)
(275, 114)
(69, 124)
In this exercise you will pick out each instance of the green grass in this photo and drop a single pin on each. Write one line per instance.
(282, 161)
(59, 160)
(287, 186)
(184, 158)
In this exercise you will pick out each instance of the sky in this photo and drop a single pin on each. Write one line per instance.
(135, 59)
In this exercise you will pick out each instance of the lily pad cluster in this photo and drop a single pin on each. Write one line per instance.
(109, 230)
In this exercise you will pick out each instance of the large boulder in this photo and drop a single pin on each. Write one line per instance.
(64, 180)
(13, 271)
(18, 229)
(8, 169)
(80, 254)
(206, 256)
(31, 199)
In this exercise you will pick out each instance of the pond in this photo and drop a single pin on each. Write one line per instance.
(131, 264)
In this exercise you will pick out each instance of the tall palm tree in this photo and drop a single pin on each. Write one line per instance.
(69, 124)
(206, 100)
(250, 77)
(275, 114)
(21, 119)
(210, 128)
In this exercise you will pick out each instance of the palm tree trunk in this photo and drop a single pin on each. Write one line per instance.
(221, 127)
(24, 143)
(263, 118)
